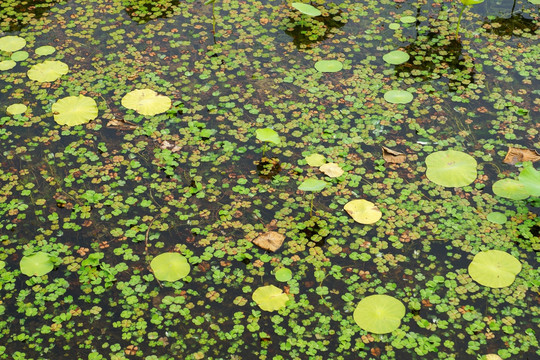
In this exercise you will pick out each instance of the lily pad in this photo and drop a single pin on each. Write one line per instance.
(7, 65)
(408, 19)
(146, 102)
(270, 298)
(451, 168)
(471, 2)
(16, 109)
(48, 71)
(328, 65)
(396, 57)
(19, 56)
(45, 50)
(37, 264)
(497, 217)
(363, 211)
(398, 96)
(74, 110)
(283, 275)
(315, 160)
(170, 266)
(529, 177)
(494, 268)
(268, 135)
(510, 189)
(379, 314)
(306, 9)
(312, 185)
(331, 170)
(12, 43)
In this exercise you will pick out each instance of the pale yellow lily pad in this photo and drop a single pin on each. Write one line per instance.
(12, 43)
(363, 211)
(315, 160)
(146, 102)
(332, 170)
(16, 109)
(74, 110)
(47, 71)
(270, 298)
(7, 65)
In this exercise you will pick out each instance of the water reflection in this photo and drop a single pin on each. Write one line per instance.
(16, 14)
(142, 11)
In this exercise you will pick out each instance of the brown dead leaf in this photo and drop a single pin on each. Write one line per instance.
(515, 155)
(270, 241)
(392, 156)
(121, 125)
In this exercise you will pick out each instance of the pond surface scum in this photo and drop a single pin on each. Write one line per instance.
(240, 204)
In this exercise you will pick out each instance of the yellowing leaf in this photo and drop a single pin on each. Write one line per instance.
(315, 160)
(392, 156)
(515, 155)
(47, 71)
(363, 211)
(332, 170)
(74, 110)
(146, 102)
(270, 241)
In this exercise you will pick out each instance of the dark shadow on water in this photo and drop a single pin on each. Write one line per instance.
(515, 25)
(268, 168)
(312, 32)
(143, 11)
(17, 14)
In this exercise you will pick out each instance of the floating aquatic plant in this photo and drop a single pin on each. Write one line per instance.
(312, 185)
(398, 96)
(306, 9)
(170, 266)
(74, 110)
(11, 43)
(47, 71)
(328, 65)
(267, 135)
(7, 65)
(331, 170)
(270, 298)
(363, 211)
(315, 160)
(36, 264)
(45, 50)
(379, 314)
(494, 268)
(396, 57)
(16, 109)
(451, 168)
(465, 4)
(146, 102)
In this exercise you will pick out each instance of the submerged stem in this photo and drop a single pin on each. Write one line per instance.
(459, 20)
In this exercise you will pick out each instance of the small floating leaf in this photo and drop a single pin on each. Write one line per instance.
(74, 110)
(328, 65)
(45, 50)
(268, 135)
(494, 268)
(379, 314)
(16, 109)
(451, 168)
(315, 160)
(283, 275)
(331, 170)
(515, 155)
(510, 189)
(11, 43)
(398, 96)
(170, 266)
(146, 102)
(497, 217)
(37, 264)
(47, 71)
(312, 185)
(407, 19)
(270, 298)
(363, 211)
(396, 57)
(306, 9)
(270, 241)
(529, 177)
(7, 65)
(19, 56)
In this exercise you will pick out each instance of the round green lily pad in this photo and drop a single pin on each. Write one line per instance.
(19, 55)
(315, 160)
(451, 168)
(12, 43)
(494, 268)
(379, 314)
(407, 19)
(16, 109)
(328, 65)
(283, 275)
(510, 189)
(396, 57)
(74, 110)
(497, 217)
(306, 9)
(270, 298)
(529, 177)
(37, 264)
(312, 185)
(398, 96)
(7, 65)
(268, 135)
(170, 266)
(394, 26)
(47, 71)
(146, 102)
(45, 50)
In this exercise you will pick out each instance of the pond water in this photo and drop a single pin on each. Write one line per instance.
(98, 201)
